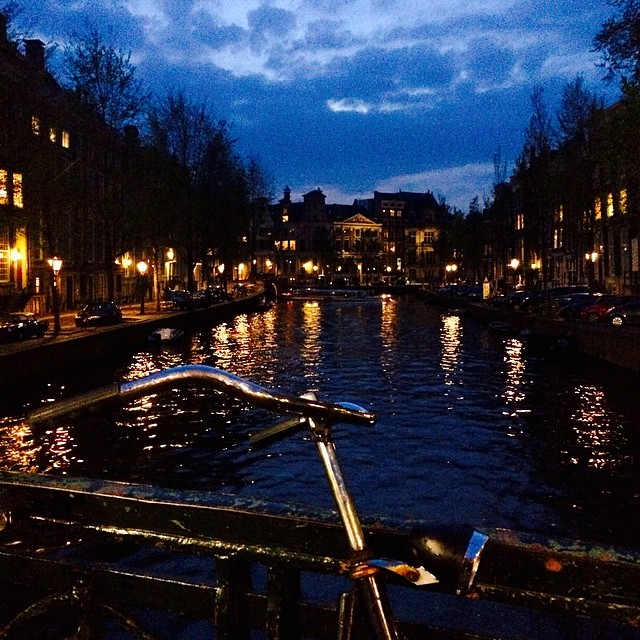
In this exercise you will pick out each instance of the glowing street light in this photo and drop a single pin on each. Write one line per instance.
(591, 258)
(56, 266)
(142, 267)
(450, 269)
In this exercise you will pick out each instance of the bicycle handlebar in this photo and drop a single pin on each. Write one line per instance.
(220, 380)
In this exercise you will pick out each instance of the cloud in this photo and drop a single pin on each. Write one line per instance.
(458, 185)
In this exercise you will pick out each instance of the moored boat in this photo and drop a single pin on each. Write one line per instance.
(164, 335)
(330, 294)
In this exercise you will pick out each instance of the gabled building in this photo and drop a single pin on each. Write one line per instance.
(410, 232)
(357, 241)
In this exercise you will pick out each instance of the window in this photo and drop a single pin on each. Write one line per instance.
(623, 201)
(609, 205)
(17, 190)
(4, 256)
(597, 207)
(65, 139)
(4, 188)
(16, 183)
(35, 125)
(53, 134)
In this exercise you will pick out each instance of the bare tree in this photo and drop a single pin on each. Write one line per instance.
(104, 80)
(619, 41)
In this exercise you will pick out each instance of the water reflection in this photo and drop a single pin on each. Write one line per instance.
(451, 339)
(515, 373)
(470, 428)
(599, 432)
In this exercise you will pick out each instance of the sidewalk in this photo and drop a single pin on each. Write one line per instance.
(130, 313)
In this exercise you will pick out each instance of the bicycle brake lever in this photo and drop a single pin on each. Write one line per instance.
(277, 431)
(416, 575)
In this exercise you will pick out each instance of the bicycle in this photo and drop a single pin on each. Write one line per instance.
(308, 412)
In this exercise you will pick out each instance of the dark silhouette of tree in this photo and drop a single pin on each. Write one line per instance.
(535, 179)
(619, 42)
(104, 80)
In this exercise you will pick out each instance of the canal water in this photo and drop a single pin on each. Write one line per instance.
(472, 427)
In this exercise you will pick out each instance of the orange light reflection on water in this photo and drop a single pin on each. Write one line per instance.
(598, 430)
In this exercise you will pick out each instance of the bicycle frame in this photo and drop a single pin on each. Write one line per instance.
(319, 418)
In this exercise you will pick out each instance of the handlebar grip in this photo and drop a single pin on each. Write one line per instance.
(76, 403)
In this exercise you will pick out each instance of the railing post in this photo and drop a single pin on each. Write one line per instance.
(283, 594)
(231, 614)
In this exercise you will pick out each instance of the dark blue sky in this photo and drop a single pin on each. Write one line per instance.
(354, 96)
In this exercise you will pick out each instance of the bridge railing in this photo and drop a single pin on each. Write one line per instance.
(82, 555)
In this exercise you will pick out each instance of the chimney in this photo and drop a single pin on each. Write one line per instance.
(34, 50)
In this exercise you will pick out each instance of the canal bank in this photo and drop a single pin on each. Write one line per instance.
(74, 347)
(619, 346)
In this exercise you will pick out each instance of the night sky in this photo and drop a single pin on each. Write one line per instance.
(353, 96)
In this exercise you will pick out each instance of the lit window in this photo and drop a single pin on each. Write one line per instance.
(609, 205)
(4, 191)
(623, 201)
(65, 139)
(597, 206)
(53, 134)
(35, 125)
(4, 256)
(17, 190)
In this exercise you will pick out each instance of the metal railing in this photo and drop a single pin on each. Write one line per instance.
(80, 556)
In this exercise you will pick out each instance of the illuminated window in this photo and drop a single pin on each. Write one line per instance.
(609, 205)
(557, 238)
(623, 201)
(53, 134)
(559, 214)
(4, 190)
(17, 190)
(519, 221)
(35, 125)
(65, 139)
(4, 256)
(597, 206)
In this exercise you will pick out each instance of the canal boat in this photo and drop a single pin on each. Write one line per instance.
(84, 556)
(331, 295)
(165, 335)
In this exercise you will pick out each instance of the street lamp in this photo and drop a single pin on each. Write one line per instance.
(591, 258)
(514, 264)
(450, 269)
(56, 266)
(142, 270)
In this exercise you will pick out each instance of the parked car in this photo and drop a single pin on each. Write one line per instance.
(597, 312)
(20, 326)
(571, 310)
(209, 296)
(624, 314)
(513, 299)
(98, 314)
(180, 299)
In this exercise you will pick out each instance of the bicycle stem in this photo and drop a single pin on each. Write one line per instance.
(365, 577)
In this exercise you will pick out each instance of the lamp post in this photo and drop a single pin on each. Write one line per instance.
(449, 270)
(514, 264)
(142, 270)
(591, 259)
(56, 265)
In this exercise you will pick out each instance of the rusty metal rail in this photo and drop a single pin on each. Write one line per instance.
(80, 557)
(94, 551)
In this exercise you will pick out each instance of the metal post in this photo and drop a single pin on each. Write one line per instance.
(366, 578)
